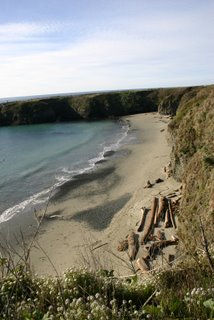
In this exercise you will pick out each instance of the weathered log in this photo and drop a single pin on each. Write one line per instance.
(156, 214)
(132, 245)
(167, 222)
(171, 213)
(162, 208)
(171, 195)
(142, 264)
(143, 219)
(150, 225)
(161, 244)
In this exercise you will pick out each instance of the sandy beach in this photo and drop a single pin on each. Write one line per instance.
(87, 218)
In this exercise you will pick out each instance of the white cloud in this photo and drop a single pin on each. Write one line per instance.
(24, 31)
(158, 50)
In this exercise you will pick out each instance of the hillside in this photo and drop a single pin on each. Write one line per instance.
(92, 106)
(192, 137)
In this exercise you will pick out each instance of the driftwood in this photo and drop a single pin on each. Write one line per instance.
(161, 209)
(177, 199)
(168, 170)
(160, 235)
(148, 185)
(144, 253)
(167, 222)
(161, 244)
(171, 195)
(142, 264)
(156, 214)
(123, 245)
(132, 245)
(171, 213)
(101, 245)
(143, 219)
(150, 225)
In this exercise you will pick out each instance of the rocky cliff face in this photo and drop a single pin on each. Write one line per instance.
(92, 106)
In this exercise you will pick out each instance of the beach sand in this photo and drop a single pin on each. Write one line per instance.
(87, 218)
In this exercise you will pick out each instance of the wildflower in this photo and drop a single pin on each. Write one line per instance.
(97, 295)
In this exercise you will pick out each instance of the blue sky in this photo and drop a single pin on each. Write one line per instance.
(56, 46)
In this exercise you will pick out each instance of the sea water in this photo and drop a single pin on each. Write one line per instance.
(37, 159)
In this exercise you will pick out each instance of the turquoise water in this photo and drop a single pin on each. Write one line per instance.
(36, 159)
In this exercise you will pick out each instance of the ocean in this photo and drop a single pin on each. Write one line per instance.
(35, 160)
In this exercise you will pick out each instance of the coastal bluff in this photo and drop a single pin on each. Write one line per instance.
(94, 106)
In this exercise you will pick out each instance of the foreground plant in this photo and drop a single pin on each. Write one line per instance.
(83, 294)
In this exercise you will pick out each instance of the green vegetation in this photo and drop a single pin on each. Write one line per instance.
(92, 106)
(193, 163)
(178, 293)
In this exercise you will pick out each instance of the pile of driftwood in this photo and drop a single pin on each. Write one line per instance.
(145, 240)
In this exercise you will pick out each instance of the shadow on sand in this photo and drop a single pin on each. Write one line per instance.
(100, 216)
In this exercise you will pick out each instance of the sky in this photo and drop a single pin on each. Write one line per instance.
(64, 46)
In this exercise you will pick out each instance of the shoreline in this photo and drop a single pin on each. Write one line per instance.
(37, 199)
(87, 218)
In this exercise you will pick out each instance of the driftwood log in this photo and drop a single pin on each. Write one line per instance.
(158, 245)
(156, 214)
(142, 264)
(132, 245)
(149, 228)
(171, 213)
(143, 219)
(167, 222)
(161, 209)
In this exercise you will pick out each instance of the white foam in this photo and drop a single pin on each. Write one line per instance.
(61, 177)
(35, 199)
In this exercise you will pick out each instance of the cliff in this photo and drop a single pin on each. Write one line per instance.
(192, 138)
(92, 106)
